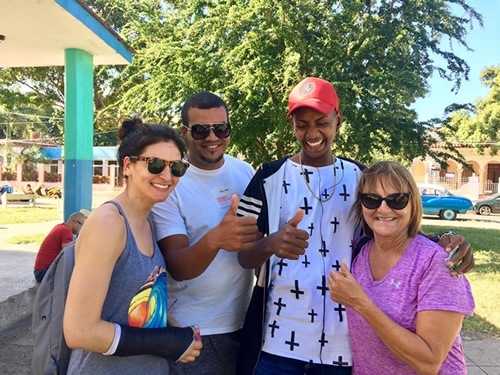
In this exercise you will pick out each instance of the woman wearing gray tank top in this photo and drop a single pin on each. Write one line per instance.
(116, 310)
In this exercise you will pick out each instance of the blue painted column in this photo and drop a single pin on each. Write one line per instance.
(78, 131)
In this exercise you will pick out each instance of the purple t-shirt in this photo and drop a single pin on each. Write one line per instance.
(419, 281)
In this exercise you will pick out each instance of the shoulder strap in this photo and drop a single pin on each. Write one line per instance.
(358, 245)
(358, 163)
(117, 205)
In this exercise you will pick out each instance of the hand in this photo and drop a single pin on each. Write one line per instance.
(344, 288)
(194, 350)
(290, 242)
(235, 233)
(463, 256)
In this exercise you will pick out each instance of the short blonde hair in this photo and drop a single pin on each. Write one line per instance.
(389, 173)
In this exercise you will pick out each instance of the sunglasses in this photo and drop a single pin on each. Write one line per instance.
(396, 201)
(201, 131)
(156, 165)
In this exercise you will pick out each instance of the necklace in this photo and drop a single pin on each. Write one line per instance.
(307, 183)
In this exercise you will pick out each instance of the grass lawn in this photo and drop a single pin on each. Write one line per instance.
(28, 238)
(484, 278)
(17, 215)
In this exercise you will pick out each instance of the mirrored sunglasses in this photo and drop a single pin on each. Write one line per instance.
(396, 201)
(157, 165)
(201, 131)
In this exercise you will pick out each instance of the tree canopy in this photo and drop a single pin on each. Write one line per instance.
(378, 55)
(479, 125)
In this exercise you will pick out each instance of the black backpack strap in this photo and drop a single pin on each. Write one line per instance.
(358, 245)
(360, 165)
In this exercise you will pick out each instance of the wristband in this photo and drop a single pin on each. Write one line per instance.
(449, 233)
(116, 340)
(438, 237)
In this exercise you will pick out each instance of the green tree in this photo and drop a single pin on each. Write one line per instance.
(378, 54)
(479, 125)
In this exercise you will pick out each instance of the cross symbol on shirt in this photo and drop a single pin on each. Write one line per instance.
(273, 327)
(306, 173)
(292, 342)
(280, 305)
(282, 264)
(311, 227)
(323, 249)
(345, 194)
(340, 309)
(339, 362)
(305, 262)
(313, 314)
(305, 207)
(285, 186)
(297, 291)
(323, 287)
(323, 341)
(335, 223)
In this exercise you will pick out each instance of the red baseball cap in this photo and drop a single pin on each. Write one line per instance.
(315, 93)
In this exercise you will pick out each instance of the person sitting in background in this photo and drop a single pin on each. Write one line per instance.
(59, 237)
(404, 310)
(27, 189)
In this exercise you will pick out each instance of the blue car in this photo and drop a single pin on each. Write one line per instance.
(436, 200)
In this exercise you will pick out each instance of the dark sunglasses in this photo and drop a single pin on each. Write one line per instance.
(156, 165)
(396, 201)
(201, 131)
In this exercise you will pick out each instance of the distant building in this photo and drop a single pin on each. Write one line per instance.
(105, 165)
(482, 181)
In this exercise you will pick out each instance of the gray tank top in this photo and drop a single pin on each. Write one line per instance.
(135, 275)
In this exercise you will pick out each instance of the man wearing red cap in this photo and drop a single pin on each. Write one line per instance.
(302, 206)
(303, 202)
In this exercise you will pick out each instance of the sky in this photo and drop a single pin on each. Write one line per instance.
(485, 43)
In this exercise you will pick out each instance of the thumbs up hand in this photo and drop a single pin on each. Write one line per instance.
(234, 205)
(344, 288)
(344, 269)
(290, 242)
(235, 233)
(295, 221)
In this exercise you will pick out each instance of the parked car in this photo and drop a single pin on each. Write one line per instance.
(436, 200)
(488, 206)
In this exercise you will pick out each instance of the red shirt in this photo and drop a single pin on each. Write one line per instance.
(52, 245)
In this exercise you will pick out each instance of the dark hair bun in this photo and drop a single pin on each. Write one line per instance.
(128, 127)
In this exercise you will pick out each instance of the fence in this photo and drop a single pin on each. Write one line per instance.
(490, 187)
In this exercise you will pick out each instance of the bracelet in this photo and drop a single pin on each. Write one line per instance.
(449, 233)
(116, 340)
(437, 237)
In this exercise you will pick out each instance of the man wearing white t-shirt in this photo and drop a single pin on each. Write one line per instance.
(200, 236)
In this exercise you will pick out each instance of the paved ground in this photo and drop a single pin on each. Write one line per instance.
(16, 345)
(17, 289)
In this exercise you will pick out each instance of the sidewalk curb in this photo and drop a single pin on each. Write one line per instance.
(16, 308)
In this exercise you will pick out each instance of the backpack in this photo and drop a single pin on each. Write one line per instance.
(50, 353)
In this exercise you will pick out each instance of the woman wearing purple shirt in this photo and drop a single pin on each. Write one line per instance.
(404, 310)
